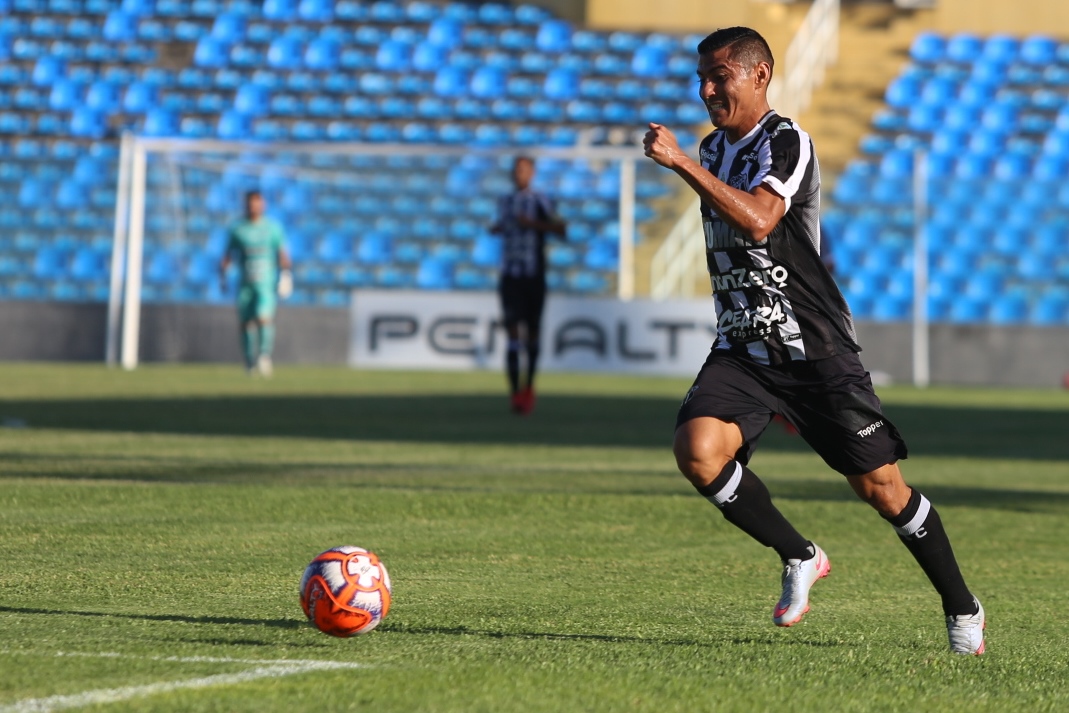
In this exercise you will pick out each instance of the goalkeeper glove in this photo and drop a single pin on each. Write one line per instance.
(285, 284)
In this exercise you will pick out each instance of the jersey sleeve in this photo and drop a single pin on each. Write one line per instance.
(232, 242)
(280, 237)
(789, 155)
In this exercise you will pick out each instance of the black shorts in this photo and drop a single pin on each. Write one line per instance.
(522, 300)
(830, 401)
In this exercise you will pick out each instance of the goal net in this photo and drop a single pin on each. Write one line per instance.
(402, 216)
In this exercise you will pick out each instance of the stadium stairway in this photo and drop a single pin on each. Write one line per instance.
(874, 41)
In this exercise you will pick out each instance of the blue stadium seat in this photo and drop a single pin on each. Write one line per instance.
(229, 28)
(649, 61)
(47, 70)
(350, 11)
(486, 251)
(903, 92)
(554, 36)
(451, 82)
(434, 274)
(396, 56)
(964, 48)
(284, 52)
(928, 47)
(422, 12)
(516, 40)
(316, 10)
(626, 42)
(87, 123)
(66, 94)
(445, 32)
(211, 52)
(587, 282)
(561, 85)
(234, 126)
(1002, 48)
(1049, 310)
(488, 82)
(120, 27)
(373, 249)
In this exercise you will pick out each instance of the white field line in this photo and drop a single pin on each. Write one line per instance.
(266, 668)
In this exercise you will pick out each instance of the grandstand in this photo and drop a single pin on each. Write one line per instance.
(991, 115)
(487, 80)
(78, 74)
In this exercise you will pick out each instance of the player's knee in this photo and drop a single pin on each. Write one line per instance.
(700, 460)
(886, 495)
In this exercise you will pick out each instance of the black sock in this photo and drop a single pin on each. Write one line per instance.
(512, 365)
(532, 363)
(921, 530)
(747, 505)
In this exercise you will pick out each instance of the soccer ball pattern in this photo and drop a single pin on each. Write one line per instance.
(345, 591)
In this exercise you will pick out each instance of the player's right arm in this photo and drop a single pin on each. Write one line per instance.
(754, 213)
(224, 262)
(498, 226)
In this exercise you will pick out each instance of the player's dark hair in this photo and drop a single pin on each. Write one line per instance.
(523, 157)
(748, 47)
(254, 193)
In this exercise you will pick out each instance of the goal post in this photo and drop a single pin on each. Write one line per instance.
(168, 193)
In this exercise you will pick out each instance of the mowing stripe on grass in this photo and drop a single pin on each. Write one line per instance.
(272, 669)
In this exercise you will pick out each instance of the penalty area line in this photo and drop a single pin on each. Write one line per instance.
(113, 695)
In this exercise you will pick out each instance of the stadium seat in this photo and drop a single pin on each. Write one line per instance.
(963, 48)
(561, 85)
(47, 70)
(554, 36)
(160, 122)
(373, 249)
(284, 53)
(488, 82)
(649, 61)
(1001, 48)
(434, 274)
(87, 123)
(445, 32)
(120, 26)
(928, 47)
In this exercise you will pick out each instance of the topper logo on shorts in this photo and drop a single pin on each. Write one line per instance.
(870, 429)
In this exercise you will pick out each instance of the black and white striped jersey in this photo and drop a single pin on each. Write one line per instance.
(523, 253)
(775, 300)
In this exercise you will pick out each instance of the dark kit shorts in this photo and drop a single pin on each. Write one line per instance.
(522, 300)
(830, 401)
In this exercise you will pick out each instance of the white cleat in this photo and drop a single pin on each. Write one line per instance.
(798, 578)
(264, 366)
(966, 632)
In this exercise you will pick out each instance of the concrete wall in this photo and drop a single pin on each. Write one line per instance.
(971, 354)
(1023, 17)
(39, 331)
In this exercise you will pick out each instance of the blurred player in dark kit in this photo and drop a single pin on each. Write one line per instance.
(525, 218)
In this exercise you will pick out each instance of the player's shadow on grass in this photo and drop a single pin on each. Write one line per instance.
(945, 495)
(561, 420)
(220, 620)
(607, 638)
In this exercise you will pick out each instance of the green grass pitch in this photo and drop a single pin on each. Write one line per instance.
(154, 526)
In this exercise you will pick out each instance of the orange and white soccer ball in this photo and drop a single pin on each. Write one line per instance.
(345, 591)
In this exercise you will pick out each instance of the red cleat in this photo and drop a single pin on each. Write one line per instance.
(516, 402)
(527, 398)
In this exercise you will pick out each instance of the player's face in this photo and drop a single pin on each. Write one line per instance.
(522, 173)
(254, 206)
(730, 91)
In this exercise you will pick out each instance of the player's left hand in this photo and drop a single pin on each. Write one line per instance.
(285, 284)
(662, 146)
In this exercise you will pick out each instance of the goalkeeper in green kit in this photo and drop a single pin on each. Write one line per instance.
(258, 245)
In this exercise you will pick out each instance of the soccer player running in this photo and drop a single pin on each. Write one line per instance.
(785, 341)
(258, 245)
(524, 218)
